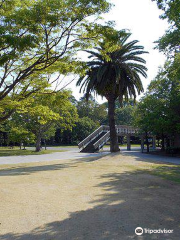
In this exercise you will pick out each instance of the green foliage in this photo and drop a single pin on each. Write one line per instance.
(170, 41)
(20, 135)
(39, 38)
(158, 112)
(151, 115)
(91, 109)
(84, 127)
(17, 152)
(43, 115)
(173, 150)
(50, 110)
(115, 73)
(125, 115)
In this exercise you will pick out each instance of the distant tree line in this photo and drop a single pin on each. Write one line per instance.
(67, 123)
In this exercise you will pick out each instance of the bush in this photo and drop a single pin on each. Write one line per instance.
(173, 150)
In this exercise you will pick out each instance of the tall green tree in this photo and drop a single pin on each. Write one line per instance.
(44, 114)
(124, 115)
(170, 41)
(158, 111)
(21, 136)
(151, 117)
(84, 127)
(91, 109)
(115, 74)
(38, 38)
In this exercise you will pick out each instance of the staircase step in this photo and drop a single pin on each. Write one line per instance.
(90, 148)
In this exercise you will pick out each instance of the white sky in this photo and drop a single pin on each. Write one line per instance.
(141, 17)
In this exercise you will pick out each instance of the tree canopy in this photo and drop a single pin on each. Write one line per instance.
(38, 38)
(158, 111)
(44, 114)
(170, 41)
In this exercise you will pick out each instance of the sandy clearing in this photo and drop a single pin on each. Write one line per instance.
(86, 200)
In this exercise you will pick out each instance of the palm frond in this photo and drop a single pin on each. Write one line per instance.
(120, 76)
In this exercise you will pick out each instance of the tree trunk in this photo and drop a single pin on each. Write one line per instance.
(176, 140)
(38, 143)
(163, 143)
(45, 144)
(147, 142)
(114, 146)
(158, 143)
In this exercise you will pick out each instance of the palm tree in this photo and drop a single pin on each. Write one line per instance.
(115, 76)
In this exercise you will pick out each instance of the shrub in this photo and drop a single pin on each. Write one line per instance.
(172, 150)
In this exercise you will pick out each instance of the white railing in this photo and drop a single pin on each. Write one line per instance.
(92, 136)
(102, 141)
(121, 130)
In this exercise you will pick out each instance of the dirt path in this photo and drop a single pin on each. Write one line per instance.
(104, 199)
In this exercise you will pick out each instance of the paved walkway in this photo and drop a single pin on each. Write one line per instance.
(70, 153)
(149, 157)
(73, 153)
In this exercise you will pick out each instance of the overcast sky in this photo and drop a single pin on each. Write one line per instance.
(141, 17)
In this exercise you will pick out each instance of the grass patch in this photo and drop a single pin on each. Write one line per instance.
(125, 145)
(167, 172)
(18, 152)
(132, 145)
(65, 146)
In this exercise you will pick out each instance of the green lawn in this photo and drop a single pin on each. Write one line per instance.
(132, 145)
(125, 145)
(63, 146)
(170, 172)
(17, 152)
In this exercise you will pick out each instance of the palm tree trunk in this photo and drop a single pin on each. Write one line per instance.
(114, 146)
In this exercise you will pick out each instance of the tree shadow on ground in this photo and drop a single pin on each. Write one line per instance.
(151, 158)
(167, 170)
(27, 170)
(130, 199)
(90, 159)
(170, 172)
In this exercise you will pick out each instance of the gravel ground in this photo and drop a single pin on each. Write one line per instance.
(87, 199)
